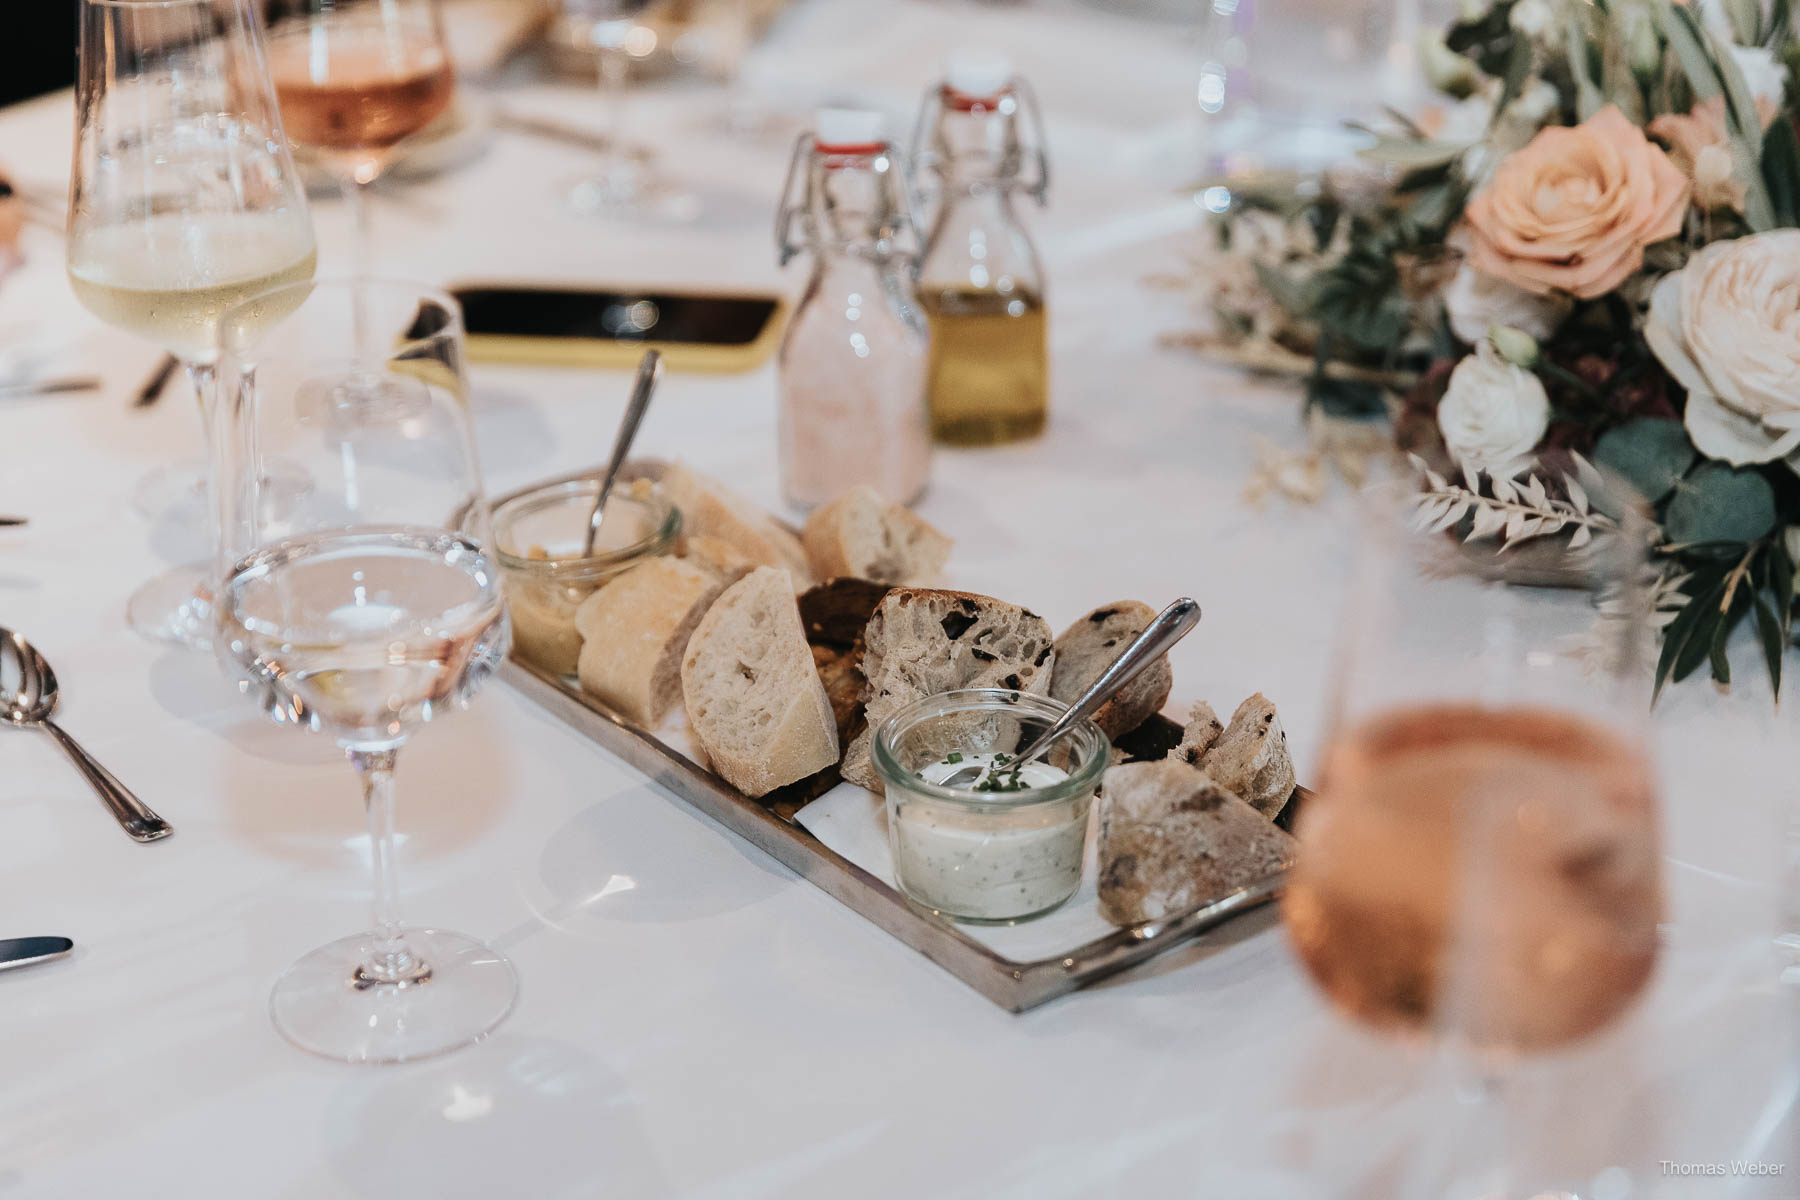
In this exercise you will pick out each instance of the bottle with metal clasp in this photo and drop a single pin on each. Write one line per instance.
(978, 140)
(853, 360)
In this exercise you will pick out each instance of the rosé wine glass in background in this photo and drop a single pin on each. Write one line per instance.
(1481, 864)
(355, 79)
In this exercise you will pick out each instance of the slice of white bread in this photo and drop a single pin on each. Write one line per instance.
(1251, 757)
(753, 696)
(713, 511)
(1198, 735)
(634, 631)
(859, 534)
(1172, 838)
(1090, 645)
(922, 641)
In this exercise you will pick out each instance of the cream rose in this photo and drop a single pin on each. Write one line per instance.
(1475, 303)
(1494, 413)
(1573, 210)
(1727, 327)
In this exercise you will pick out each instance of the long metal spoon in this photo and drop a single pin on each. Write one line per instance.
(649, 371)
(30, 708)
(1170, 626)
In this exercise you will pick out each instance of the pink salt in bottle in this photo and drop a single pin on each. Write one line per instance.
(853, 362)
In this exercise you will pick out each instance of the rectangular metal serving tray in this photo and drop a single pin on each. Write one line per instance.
(1014, 986)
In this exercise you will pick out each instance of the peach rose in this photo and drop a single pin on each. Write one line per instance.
(1573, 210)
(1700, 145)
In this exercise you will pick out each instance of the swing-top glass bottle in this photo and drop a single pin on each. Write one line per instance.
(853, 360)
(979, 140)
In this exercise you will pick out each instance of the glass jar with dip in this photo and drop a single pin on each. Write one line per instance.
(538, 537)
(1009, 847)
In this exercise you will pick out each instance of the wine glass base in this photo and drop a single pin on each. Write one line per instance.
(174, 607)
(179, 485)
(319, 1006)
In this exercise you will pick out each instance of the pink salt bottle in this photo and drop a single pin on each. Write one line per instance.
(852, 367)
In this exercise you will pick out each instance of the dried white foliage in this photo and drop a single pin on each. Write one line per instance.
(1508, 510)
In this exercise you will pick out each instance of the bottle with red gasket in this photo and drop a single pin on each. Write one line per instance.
(978, 141)
(853, 359)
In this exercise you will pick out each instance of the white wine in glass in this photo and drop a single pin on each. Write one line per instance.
(183, 201)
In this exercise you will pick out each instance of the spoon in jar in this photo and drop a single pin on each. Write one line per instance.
(1170, 626)
(30, 706)
(649, 371)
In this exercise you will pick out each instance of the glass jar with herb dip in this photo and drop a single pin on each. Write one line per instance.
(539, 538)
(1010, 845)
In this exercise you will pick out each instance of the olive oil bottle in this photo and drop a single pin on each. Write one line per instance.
(989, 377)
(980, 282)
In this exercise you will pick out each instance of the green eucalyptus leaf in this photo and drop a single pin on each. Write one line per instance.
(1718, 503)
(1652, 453)
(1411, 153)
(1774, 641)
(1781, 172)
(1295, 298)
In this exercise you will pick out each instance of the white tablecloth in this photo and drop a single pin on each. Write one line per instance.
(695, 1021)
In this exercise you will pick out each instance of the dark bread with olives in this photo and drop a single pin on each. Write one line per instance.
(923, 641)
(1085, 649)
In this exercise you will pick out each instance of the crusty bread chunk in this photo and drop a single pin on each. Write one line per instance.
(753, 696)
(1251, 757)
(1172, 838)
(713, 511)
(1089, 646)
(724, 560)
(922, 641)
(861, 534)
(634, 630)
(1198, 735)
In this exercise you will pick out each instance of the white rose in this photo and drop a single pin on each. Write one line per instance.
(1535, 19)
(1476, 303)
(1494, 413)
(1766, 78)
(1726, 327)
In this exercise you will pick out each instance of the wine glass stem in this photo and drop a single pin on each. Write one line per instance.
(390, 960)
(615, 71)
(204, 377)
(362, 237)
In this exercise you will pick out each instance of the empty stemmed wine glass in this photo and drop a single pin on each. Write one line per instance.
(1480, 865)
(183, 200)
(355, 79)
(357, 612)
(626, 185)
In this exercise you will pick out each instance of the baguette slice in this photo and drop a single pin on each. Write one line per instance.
(753, 696)
(1090, 645)
(1251, 757)
(712, 511)
(1197, 737)
(861, 534)
(720, 557)
(634, 631)
(1172, 838)
(922, 641)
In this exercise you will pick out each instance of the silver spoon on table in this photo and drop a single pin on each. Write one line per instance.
(30, 708)
(1170, 626)
(649, 371)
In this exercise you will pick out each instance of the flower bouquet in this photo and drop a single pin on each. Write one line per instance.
(1588, 252)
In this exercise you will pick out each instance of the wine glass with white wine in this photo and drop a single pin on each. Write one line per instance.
(360, 612)
(183, 201)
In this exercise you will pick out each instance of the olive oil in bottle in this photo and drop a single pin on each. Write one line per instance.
(980, 282)
(989, 377)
